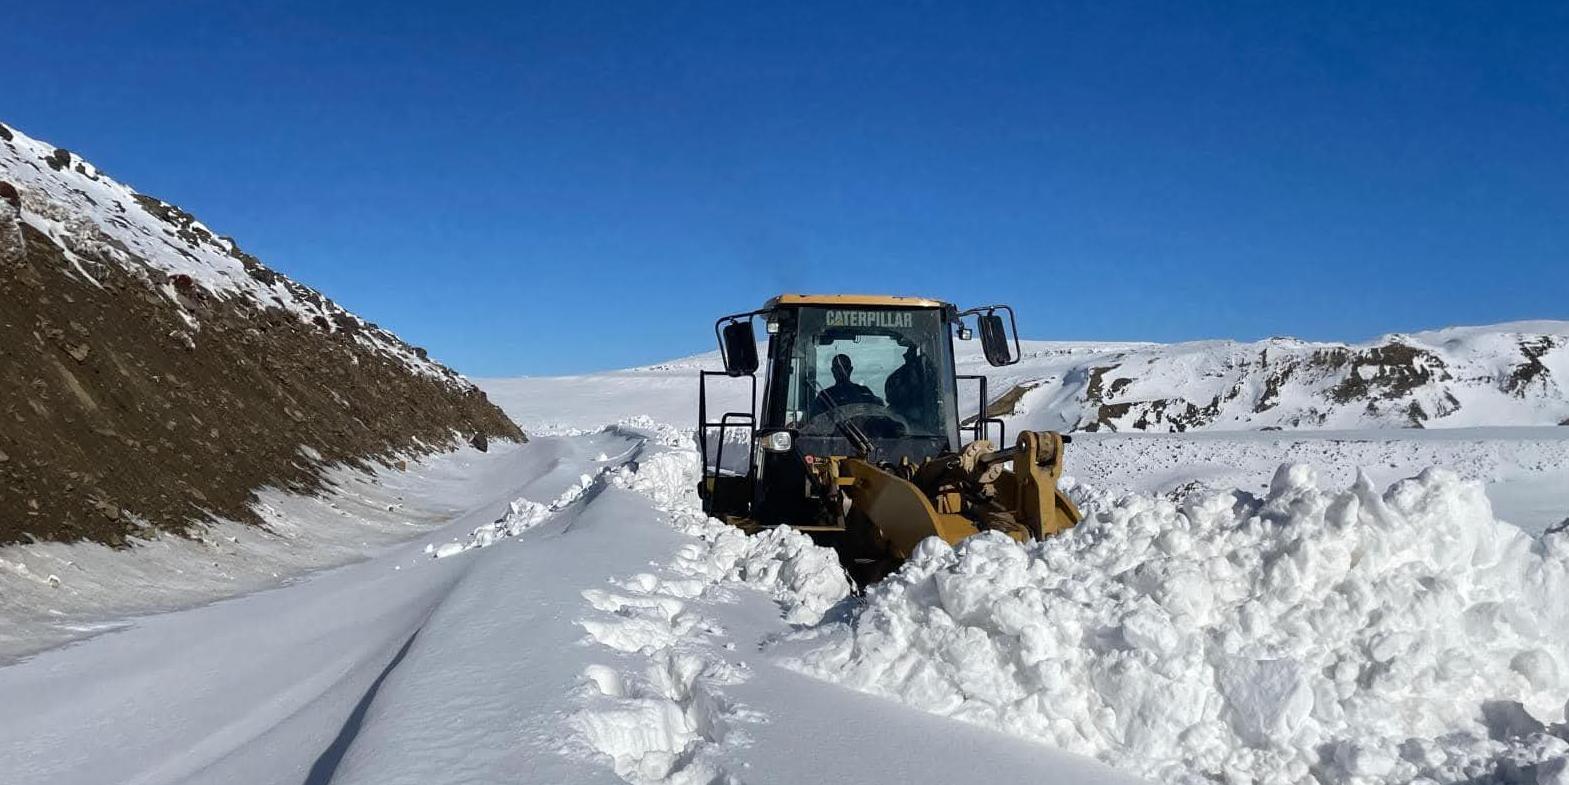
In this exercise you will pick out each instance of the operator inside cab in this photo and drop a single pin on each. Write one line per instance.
(909, 388)
(845, 392)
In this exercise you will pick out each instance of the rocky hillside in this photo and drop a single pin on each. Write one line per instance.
(1507, 374)
(156, 375)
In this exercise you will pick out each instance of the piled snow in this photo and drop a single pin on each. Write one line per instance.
(1307, 636)
(804, 578)
(665, 718)
(522, 514)
(668, 477)
(1526, 470)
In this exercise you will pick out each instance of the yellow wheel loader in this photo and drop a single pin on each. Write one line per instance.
(856, 438)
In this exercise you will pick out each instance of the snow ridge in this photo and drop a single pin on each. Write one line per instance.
(664, 717)
(522, 515)
(1306, 636)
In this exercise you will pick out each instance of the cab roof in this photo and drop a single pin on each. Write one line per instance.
(884, 300)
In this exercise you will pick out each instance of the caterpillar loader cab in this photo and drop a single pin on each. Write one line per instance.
(857, 436)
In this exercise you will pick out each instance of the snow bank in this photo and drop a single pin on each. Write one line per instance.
(663, 716)
(1307, 636)
(52, 592)
(522, 514)
(1526, 471)
(804, 578)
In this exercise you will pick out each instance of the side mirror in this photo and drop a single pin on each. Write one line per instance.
(738, 348)
(965, 333)
(994, 340)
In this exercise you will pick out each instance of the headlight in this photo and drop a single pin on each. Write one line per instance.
(778, 441)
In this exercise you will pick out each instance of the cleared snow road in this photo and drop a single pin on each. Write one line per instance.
(253, 689)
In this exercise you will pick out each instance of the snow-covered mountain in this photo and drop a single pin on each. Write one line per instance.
(157, 374)
(1505, 374)
(1499, 375)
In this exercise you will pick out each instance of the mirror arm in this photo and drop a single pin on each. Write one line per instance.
(1013, 325)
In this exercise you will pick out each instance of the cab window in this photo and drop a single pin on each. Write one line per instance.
(883, 369)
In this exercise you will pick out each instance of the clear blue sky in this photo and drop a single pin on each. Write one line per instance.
(555, 187)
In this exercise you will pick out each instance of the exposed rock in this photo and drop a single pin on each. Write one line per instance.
(1531, 370)
(11, 240)
(1416, 414)
(1388, 372)
(1274, 382)
(59, 159)
(108, 509)
(1094, 389)
(1107, 415)
(1006, 405)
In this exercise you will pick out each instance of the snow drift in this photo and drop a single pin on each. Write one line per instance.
(1309, 635)
(666, 718)
(803, 578)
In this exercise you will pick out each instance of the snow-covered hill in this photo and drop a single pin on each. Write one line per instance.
(1513, 374)
(1505, 374)
(156, 375)
(97, 221)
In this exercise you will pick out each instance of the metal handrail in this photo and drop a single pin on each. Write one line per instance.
(977, 427)
(747, 419)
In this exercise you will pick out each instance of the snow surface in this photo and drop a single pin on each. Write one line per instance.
(55, 592)
(1223, 617)
(620, 638)
(1526, 469)
(565, 614)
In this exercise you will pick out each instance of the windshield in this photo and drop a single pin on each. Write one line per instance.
(885, 370)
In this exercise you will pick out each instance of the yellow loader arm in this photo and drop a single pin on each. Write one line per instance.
(1013, 491)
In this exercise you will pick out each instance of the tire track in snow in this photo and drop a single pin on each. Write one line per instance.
(326, 764)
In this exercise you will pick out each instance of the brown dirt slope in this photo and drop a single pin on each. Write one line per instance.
(132, 398)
